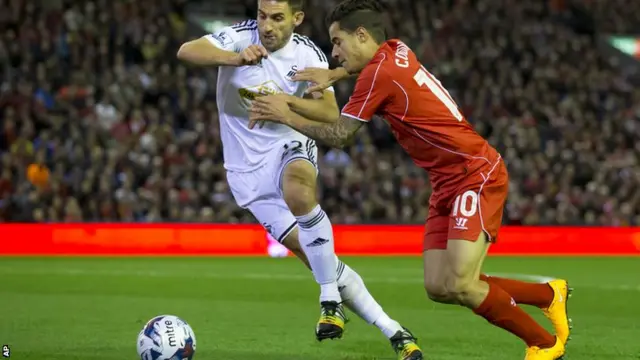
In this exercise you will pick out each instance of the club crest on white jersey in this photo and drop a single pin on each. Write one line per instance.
(244, 149)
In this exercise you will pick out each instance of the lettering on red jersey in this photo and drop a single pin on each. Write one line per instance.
(422, 115)
(402, 55)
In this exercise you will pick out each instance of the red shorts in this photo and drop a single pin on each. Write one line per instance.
(472, 209)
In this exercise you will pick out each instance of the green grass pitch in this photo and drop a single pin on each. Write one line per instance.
(265, 309)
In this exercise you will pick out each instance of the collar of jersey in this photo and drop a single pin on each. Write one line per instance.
(284, 49)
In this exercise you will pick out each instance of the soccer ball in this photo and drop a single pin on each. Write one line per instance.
(166, 337)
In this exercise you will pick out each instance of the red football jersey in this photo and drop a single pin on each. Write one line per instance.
(424, 119)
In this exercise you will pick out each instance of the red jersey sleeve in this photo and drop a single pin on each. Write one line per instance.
(370, 92)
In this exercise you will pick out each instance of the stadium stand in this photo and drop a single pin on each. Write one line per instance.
(91, 90)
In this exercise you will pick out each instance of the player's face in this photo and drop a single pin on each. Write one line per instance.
(276, 22)
(351, 49)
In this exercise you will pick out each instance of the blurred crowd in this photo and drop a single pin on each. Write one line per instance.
(92, 92)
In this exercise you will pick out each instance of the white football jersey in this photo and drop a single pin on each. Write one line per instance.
(244, 149)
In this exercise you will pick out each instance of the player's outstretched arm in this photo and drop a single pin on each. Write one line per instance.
(321, 78)
(338, 132)
(202, 53)
(319, 106)
(231, 46)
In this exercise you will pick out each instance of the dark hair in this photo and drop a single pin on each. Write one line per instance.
(295, 5)
(352, 14)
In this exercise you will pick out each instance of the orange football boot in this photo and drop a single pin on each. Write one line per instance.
(553, 353)
(557, 311)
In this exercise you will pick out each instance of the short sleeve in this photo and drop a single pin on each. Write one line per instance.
(235, 37)
(370, 93)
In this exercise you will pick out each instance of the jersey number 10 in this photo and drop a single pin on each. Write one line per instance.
(424, 78)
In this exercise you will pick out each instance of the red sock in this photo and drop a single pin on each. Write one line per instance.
(501, 310)
(540, 295)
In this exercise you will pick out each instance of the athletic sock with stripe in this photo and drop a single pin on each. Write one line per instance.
(356, 297)
(316, 240)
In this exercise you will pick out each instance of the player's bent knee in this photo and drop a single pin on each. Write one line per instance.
(299, 187)
(437, 291)
(461, 277)
(300, 198)
(460, 289)
(449, 289)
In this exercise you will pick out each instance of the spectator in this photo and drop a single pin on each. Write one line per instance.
(93, 91)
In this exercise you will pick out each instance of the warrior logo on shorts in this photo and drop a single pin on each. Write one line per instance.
(461, 223)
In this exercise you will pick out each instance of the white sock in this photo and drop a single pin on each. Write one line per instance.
(316, 240)
(357, 298)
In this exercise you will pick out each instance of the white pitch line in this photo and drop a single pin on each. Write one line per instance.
(284, 277)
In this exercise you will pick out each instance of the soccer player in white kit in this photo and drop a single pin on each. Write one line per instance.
(272, 169)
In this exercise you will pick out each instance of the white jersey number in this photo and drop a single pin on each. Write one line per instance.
(466, 204)
(424, 78)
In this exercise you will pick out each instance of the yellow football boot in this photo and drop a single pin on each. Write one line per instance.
(553, 353)
(331, 322)
(406, 345)
(557, 311)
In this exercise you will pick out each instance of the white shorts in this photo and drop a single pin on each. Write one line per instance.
(260, 191)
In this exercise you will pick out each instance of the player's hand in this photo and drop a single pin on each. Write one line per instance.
(273, 108)
(252, 55)
(319, 77)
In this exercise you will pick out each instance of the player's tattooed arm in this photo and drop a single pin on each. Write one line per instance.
(336, 134)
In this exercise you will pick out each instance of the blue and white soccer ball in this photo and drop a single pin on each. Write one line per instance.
(166, 337)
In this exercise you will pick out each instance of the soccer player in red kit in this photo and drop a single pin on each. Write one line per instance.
(468, 177)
